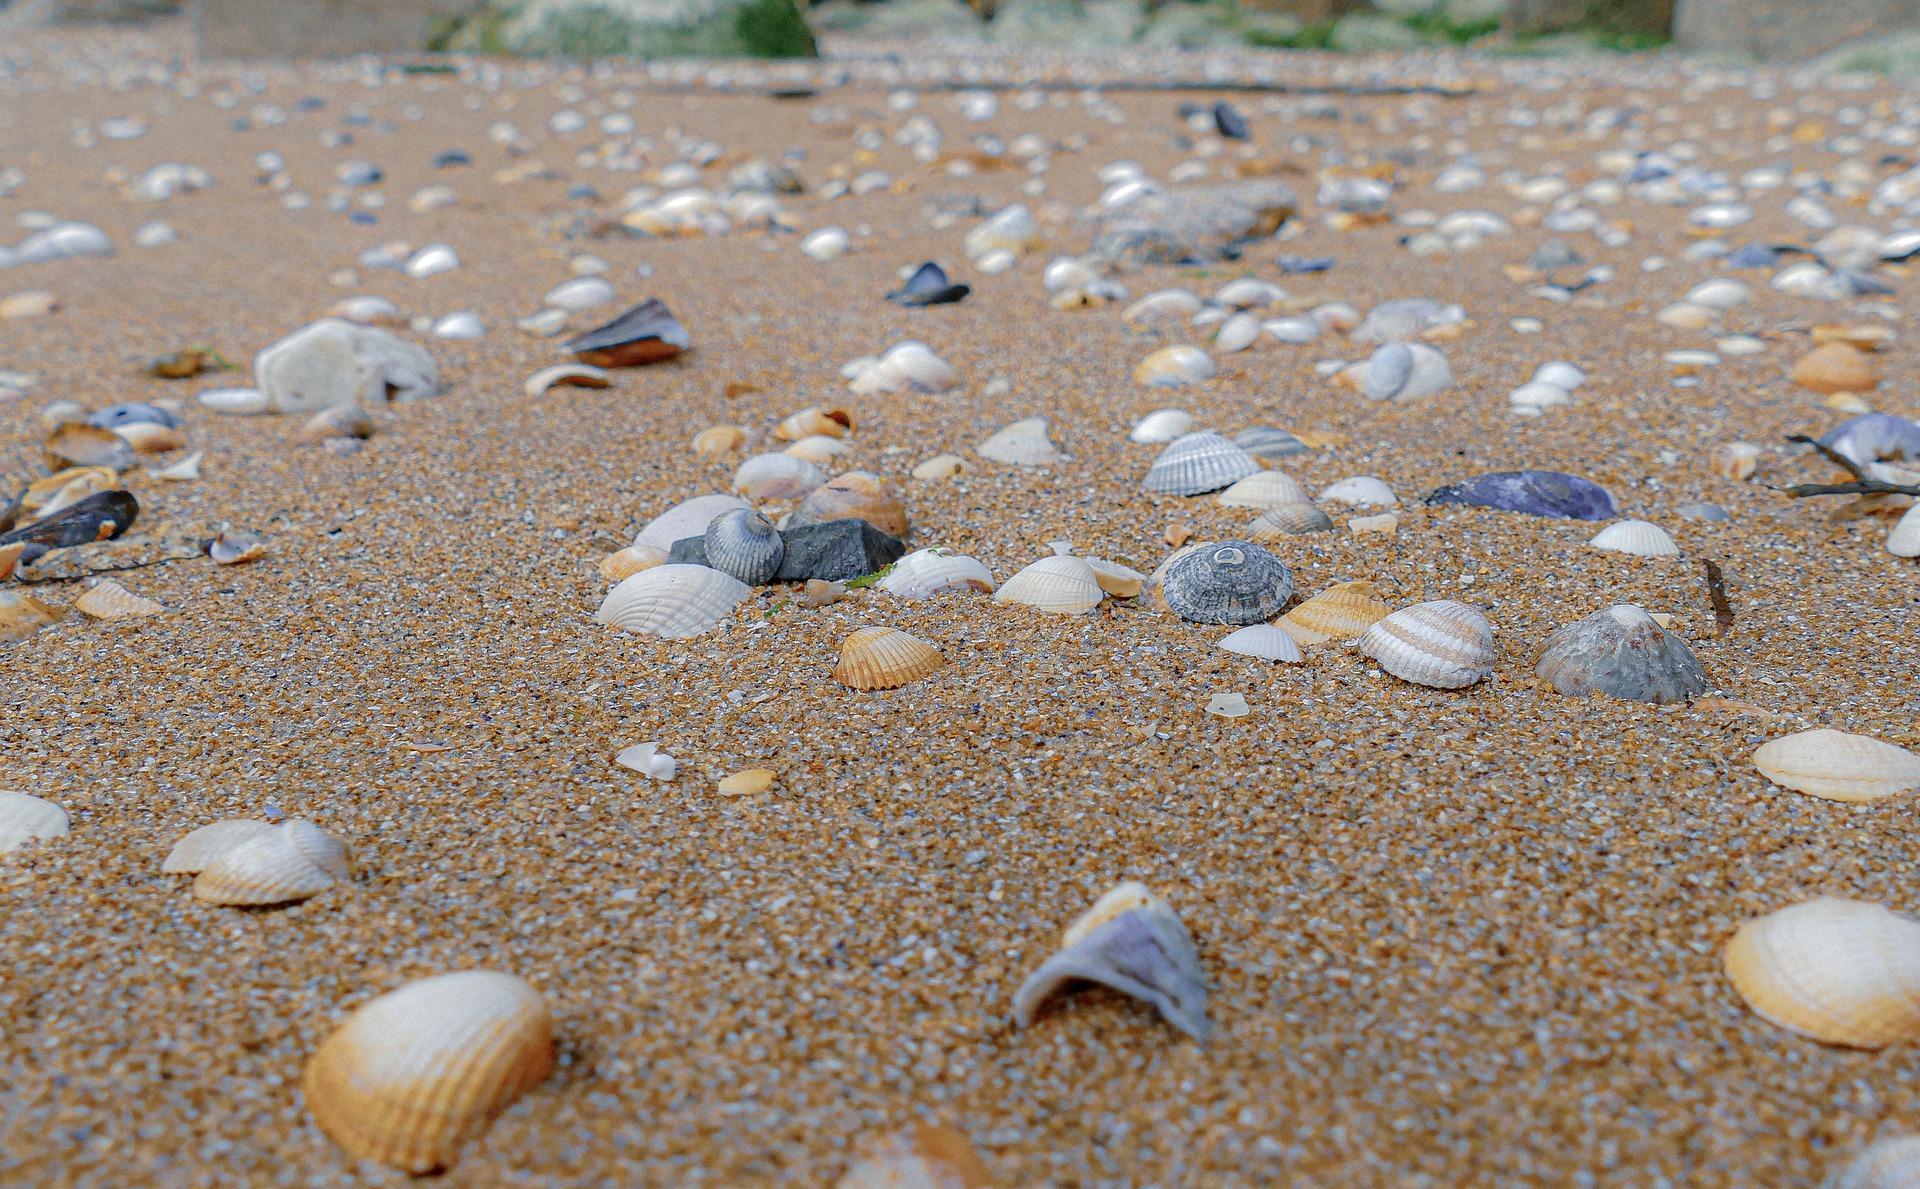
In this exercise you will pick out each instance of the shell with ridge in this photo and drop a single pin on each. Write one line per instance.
(1023, 443)
(672, 602)
(688, 518)
(1265, 641)
(1442, 644)
(777, 477)
(885, 658)
(25, 817)
(1237, 333)
(1248, 293)
(1196, 463)
(1062, 585)
(1288, 520)
(909, 366)
(200, 847)
(1161, 425)
(858, 495)
(1642, 538)
(625, 563)
(292, 861)
(1232, 582)
(1361, 491)
(1264, 489)
(109, 600)
(1837, 766)
(743, 543)
(922, 1156)
(1132, 941)
(1170, 367)
(1843, 972)
(1891, 1162)
(1268, 444)
(413, 1076)
(1623, 653)
(927, 572)
(809, 422)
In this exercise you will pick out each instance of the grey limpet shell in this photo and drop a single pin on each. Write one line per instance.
(1623, 653)
(1232, 582)
(742, 543)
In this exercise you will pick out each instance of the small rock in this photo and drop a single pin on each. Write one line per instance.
(333, 362)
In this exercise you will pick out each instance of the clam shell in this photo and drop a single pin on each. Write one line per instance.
(1639, 537)
(1837, 766)
(1133, 941)
(1892, 1162)
(1122, 582)
(1061, 585)
(926, 572)
(909, 366)
(1264, 489)
(1234, 582)
(288, 862)
(777, 477)
(919, 1157)
(1162, 306)
(816, 421)
(1237, 334)
(1903, 540)
(184, 471)
(648, 760)
(1841, 971)
(1267, 444)
(192, 854)
(9, 561)
(1443, 644)
(1196, 463)
(110, 600)
(1023, 443)
(235, 401)
(1248, 293)
(417, 1073)
(689, 518)
(63, 489)
(672, 601)
(1288, 520)
(1161, 425)
(77, 444)
(21, 615)
(719, 439)
(885, 658)
(576, 375)
(1560, 374)
(24, 817)
(1265, 641)
(1170, 367)
(742, 543)
(147, 438)
(625, 563)
(818, 449)
(940, 466)
(1361, 491)
(859, 495)
(1624, 653)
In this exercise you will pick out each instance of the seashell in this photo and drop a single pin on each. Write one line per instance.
(233, 548)
(21, 615)
(1236, 334)
(1196, 463)
(1386, 522)
(1405, 371)
(1161, 425)
(1840, 971)
(885, 658)
(646, 333)
(1536, 493)
(573, 375)
(1294, 331)
(1010, 229)
(672, 601)
(1835, 367)
(1288, 520)
(1060, 585)
(926, 572)
(1228, 706)
(909, 366)
(1362, 491)
(1162, 307)
(746, 783)
(1560, 374)
(147, 438)
(940, 466)
(63, 489)
(648, 760)
(719, 439)
(1904, 539)
(625, 563)
(1735, 460)
(1264, 489)
(928, 286)
(689, 518)
(134, 413)
(24, 817)
(1536, 395)
(340, 421)
(109, 600)
(1265, 641)
(581, 293)
(1122, 582)
(1720, 293)
(1639, 537)
(819, 449)
(280, 864)
(1867, 337)
(741, 542)
(183, 471)
(543, 325)
(1891, 1162)
(1874, 437)
(432, 259)
(819, 592)
(856, 494)
(1623, 653)
(461, 324)
(77, 444)
(1402, 319)
(1023, 443)
(1686, 316)
(825, 243)
(195, 852)
(922, 1156)
(1234, 582)
(1132, 941)
(815, 422)
(1249, 293)
(367, 309)
(1269, 444)
(1836, 766)
(776, 477)
(239, 402)
(1443, 644)
(1170, 367)
(417, 1073)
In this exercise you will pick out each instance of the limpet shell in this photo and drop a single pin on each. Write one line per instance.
(815, 421)
(1234, 582)
(719, 439)
(777, 477)
(1891, 1162)
(1060, 584)
(1265, 641)
(927, 572)
(1288, 520)
(1130, 940)
(1837, 766)
(856, 494)
(1622, 652)
(291, 861)
(414, 1075)
(110, 600)
(885, 658)
(919, 1157)
(743, 543)
(672, 601)
(1196, 463)
(1442, 644)
(1264, 489)
(1170, 367)
(575, 375)
(24, 817)
(1641, 538)
(1161, 425)
(1840, 971)
(1024, 443)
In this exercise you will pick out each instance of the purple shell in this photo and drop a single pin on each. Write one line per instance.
(1537, 493)
(1873, 437)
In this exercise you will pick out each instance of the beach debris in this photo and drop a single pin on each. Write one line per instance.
(885, 658)
(332, 362)
(232, 547)
(1264, 641)
(1191, 223)
(922, 1156)
(184, 364)
(1023, 443)
(826, 243)
(688, 518)
(1132, 941)
(1230, 582)
(431, 261)
(815, 421)
(1717, 596)
(1011, 230)
(856, 494)
(1062, 585)
(108, 600)
(1837, 766)
(102, 516)
(1268, 444)
(928, 286)
(25, 817)
(743, 543)
(1843, 972)
(1903, 540)
(719, 439)
(1403, 371)
(648, 760)
(1623, 653)
(672, 601)
(21, 615)
(1442, 644)
(1121, 582)
(1536, 493)
(1197, 463)
(1639, 537)
(647, 333)
(1874, 437)
(249, 863)
(234, 402)
(1361, 491)
(1735, 460)
(1228, 705)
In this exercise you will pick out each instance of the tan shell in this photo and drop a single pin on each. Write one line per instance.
(1892, 1162)
(1117, 580)
(21, 615)
(1836, 766)
(920, 1157)
(110, 600)
(1264, 489)
(885, 658)
(1023, 443)
(1171, 367)
(1735, 460)
(1340, 612)
(77, 444)
(856, 494)
(10, 558)
(44, 497)
(1841, 971)
(288, 862)
(1835, 367)
(417, 1073)
(572, 375)
(748, 782)
(625, 563)
(24, 817)
(816, 421)
(1061, 585)
(941, 466)
(147, 438)
(719, 439)
(1442, 644)
(672, 601)
(340, 421)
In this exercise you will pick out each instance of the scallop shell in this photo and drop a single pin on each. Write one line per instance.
(1288, 520)
(1265, 641)
(1903, 540)
(110, 600)
(1170, 367)
(1196, 463)
(1892, 1162)
(1268, 444)
(742, 543)
(815, 421)
(885, 658)
(719, 439)
(24, 817)
(926, 572)
(1443, 644)
(625, 563)
(672, 601)
(1162, 306)
(417, 1073)
(576, 375)
(1264, 489)
(1161, 425)
(21, 615)
(288, 862)
(1641, 538)
(77, 444)
(1361, 491)
(777, 477)
(1024, 443)
(1835, 367)
(919, 1157)
(689, 518)
(1061, 585)
(1837, 766)
(1841, 971)
(1234, 582)
(1122, 582)
(818, 449)
(1130, 940)
(859, 495)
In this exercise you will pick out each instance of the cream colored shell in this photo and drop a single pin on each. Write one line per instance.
(1023, 443)
(927, 572)
(1904, 539)
(1837, 766)
(1062, 585)
(1161, 426)
(1642, 538)
(262, 865)
(1173, 366)
(1265, 641)
(110, 600)
(25, 817)
(885, 658)
(776, 477)
(1841, 971)
(1442, 644)
(1264, 489)
(672, 601)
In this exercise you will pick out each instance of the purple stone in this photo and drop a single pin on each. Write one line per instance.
(1537, 493)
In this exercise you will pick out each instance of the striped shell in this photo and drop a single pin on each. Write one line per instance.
(1061, 585)
(1024, 443)
(1642, 538)
(1161, 425)
(1444, 644)
(1264, 489)
(1265, 641)
(1836, 766)
(922, 1156)
(1234, 582)
(414, 1075)
(742, 543)
(1288, 520)
(1339, 612)
(1196, 463)
(262, 865)
(24, 817)
(926, 572)
(689, 518)
(777, 477)
(672, 601)
(857, 495)
(1892, 1162)
(885, 658)
(1170, 367)
(1268, 444)
(1841, 971)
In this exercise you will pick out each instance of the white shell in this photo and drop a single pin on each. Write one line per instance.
(1265, 489)
(1011, 229)
(1720, 293)
(826, 243)
(1891, 1162)
(909, 366)
(1237, 333)
(1249, 292)
(581, 293)
(777, 476)
(200, 847)
(648, 760)
(1361, 491)
(689, 518)
(233, 401)
(1161, 425)
(1838, 766)
(1162, 306)
(1170, 367)
(1060, 584)
(24, 817)
(279, 864)
(1293, 330)
(461, 324)
(1639, 537)
(1024, 443)
(1538, 394)
(672, 601)
(1196, 463)
(1443, 644)
(1264, 641)
(565, 373)
(1841, 971)
(434, 258)
(1904, 539)
(1560, 374)
(926, 572)
(1405, 371)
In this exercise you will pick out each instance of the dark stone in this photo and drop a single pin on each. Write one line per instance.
(452, 157)
(132, 413)
(1537, 493)
(1295, 265)
(1193, 223)
(1622, 653)
(928, 286)
(102, 516)
(836, 551)
(1230, 122)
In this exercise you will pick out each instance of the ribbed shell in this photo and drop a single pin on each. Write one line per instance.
(777, 477)
(689, 518)
(1836, 766)
(191, 854)
(288, 862)
(1062, 585)
(1841, 971)
(743, 543)
(1340, 612)
(1266, 443)
(1621, 652)
(1133, 941)
(1361, 491)
(672, 602)
(1235, 582)
(77, 444)
(1904, 539)
(625, 563)
(24, 817)
(858, 495)
(1161, 425)
(417, 1073)
(1024, 443)
(926, 572)
(1892, 1162)
(1443, 644)
(885, 658)
(1196, 463)
(1387, 371)
(1265, 641)
(1288, 520)
(1170, 367)
(110, 600)
(1264, 489)
(1642, 538)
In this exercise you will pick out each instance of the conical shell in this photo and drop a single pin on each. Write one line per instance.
(885, 658)
(1642, 538)
(1288, 520)
(110, 600)
(689, 518)
(742, 543)
(192, 854)
(414, 1075)
(1196, 463)
(1161, 425)
(24, 817)
(1264, 489)
(1841, 971)
(1836, 766)
(858, 495)
(1061, 585)
(832, 423)
(1234, 582)
(1443, 644)
(719, 439)
(672, 601)
(919, 1157)
(1892, 1162)
(1265, 641)
(1023, 443)
(21, 615)
(777, 477)
(926, 572)
(288, 862)
(1170, 367)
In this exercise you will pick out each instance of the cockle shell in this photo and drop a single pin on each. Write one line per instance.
(743, 543)
(414, 1075)
(1903, 540)
(719, 439)
(1639, 537)
(1287, 520)
(1340, 612)
(885, 658)
(1891, 1162)
(24, 817)
(1264, 489)
(1061, 585)
(1170, 367)
(1167, 306)
(1161, 425)
(1023, 443)
(1443, 644)
(193, 853)
(1196, 463)
(777, 477)
(672, 601)
(1266, 443)
(809, 422)
(21, 615)
(920, 1157)
(1130, 940)
(1841, 971)
(576, 375)
(1623, 653)
(1361, 491)
(110, 600)
(689, 518)
(1837, 766)
(927, 572)
(859, 495)
(274, 865)
(1234, 582)
(1265, 641)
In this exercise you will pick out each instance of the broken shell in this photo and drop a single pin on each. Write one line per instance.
(1840, 971)
(920, 1157)
(1234, 582)
(1196, 463)
(21, 615)
(856, 494)
(1837, 766)
(1288, 520)
(940, 466)
(233, 548)
(184, 471)
(741, 542)
(1623, 653)
(1264, 641)
(1892, 1162)
(284, 863)
(110, 600)
(625, 563)
(147, 438)
(193, 853)
(688, 518)
(10, 560)
(24, 817)
(832, 423)
(1386, 522)
(885, 658)
(417, 1073)
(77, 444)
(1170, 367)
(746, 783)
(777, 477)
(926, 572)
(1834, 367)
(1264, 489)
(1060, 585)
(818, 448)
(720, 439)
(1639, 537)
(1735, 460)
(1024, 443)
(1442, 644)
(1340, 612)
(672, 601)
(1131, 941)
(1117, 580)
(1361, 491)
(63, 489)
(575, 375)
(1161, 425)
(818, 592)
(648, 760)
(646, 333)
(340, 421)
